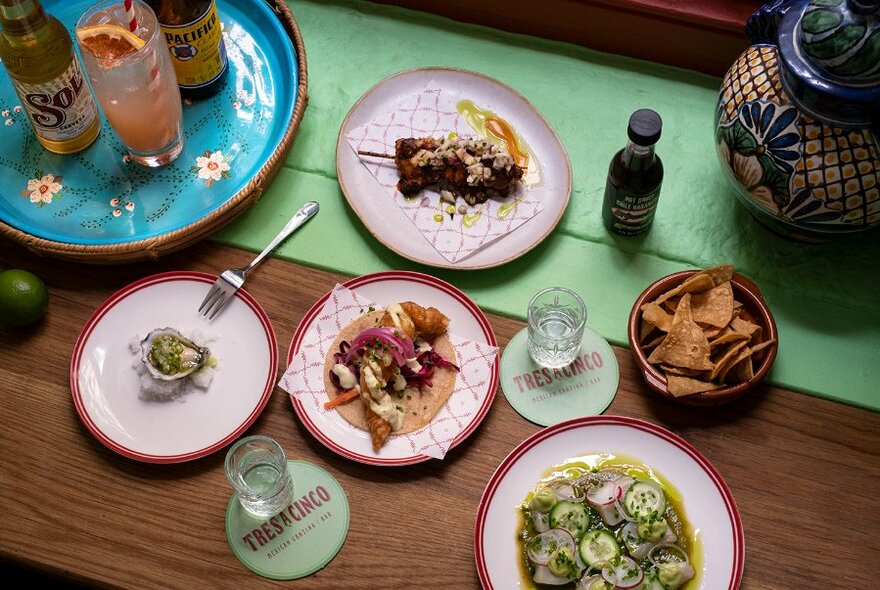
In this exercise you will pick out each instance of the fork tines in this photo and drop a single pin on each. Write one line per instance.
(214, 301)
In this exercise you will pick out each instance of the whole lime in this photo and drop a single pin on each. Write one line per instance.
(23, 297)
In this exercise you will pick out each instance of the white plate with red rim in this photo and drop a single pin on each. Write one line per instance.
(106, 387)
(391, 226)
(384, 288)
(708, 503)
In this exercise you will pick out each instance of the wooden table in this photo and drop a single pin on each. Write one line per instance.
(804, 471)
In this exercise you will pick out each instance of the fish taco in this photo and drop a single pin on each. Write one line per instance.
(391, 370)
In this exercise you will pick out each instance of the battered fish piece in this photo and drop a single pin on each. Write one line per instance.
(429, 322)
(414, 320)
(379, 428)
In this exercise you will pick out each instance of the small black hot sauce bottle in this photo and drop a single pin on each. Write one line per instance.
(634, 178)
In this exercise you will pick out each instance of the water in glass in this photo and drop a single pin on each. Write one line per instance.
(556, 319)
(257, 469)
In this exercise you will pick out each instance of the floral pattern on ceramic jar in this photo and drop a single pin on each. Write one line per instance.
(804, 177)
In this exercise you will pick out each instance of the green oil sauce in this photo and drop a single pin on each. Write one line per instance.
(689, 539)
(505, 209)
(438, 217)
(469, 219)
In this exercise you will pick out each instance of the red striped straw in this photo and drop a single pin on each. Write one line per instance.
(130, 15)
(132, 26)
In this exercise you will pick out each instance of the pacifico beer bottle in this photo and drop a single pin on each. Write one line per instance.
(38, 54)
(194, 38)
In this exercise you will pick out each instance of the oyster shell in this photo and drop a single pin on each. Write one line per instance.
(169, 355)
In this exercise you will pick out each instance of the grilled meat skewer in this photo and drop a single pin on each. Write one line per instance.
(475, 169)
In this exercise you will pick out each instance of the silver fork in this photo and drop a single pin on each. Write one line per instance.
(232, 279)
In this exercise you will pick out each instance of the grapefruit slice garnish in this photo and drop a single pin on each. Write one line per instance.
(108, 41)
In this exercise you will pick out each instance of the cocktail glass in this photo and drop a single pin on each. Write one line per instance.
(137, 91)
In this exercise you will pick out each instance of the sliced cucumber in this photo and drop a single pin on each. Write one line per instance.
(644, 499)
(598, 546)
(571, 516)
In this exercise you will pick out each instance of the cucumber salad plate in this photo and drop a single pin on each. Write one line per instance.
(607, 502)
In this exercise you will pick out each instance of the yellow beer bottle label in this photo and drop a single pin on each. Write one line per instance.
(62, 109)
(197, 49)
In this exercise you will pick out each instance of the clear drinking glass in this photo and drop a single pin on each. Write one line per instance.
(556, 317)
(138, 91)
(257, 469)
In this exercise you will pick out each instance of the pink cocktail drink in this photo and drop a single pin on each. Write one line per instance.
(133, 80)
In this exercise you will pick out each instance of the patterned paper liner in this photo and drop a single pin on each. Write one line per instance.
(304, 380)
(432, 113)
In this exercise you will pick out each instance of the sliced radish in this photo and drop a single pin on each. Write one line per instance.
(668, 546)
(541, 547)
(623, 483)
(543, 576)
(565, 491)
(541, 521)
(610, 514)
(623, 573)
(602, 495)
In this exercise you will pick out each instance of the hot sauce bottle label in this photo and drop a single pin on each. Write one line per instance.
(197, 49)
(60, 109)
(632, 214)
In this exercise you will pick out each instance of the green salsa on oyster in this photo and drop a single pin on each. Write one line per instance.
(605, 522)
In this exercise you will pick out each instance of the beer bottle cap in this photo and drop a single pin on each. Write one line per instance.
(644, 127)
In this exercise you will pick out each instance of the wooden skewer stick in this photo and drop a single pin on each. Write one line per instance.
(376, 154)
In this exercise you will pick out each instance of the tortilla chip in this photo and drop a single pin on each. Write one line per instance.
(654, 314)
(649, 345)
(745, 355)
(726, 336)
(711, 332)
(684, 311)
(762, 345)
(686, 345)
(679, 385)
(645, 329)
(743, 370)
(744, 327)
(722, 363)
(671, 304)
(714, 307)
(680, 371)
(720, 274)
(697, 283)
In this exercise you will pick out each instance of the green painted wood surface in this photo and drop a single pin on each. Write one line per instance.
(825, 298)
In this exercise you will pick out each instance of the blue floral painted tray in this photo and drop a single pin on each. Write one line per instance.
(97, 206)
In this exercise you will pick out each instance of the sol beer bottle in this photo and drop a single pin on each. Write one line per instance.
(38, 54)
(634, 178)
(194, 38)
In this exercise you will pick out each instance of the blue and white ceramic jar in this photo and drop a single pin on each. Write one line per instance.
(798, 118)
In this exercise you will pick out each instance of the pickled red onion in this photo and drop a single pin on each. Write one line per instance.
(399, 347)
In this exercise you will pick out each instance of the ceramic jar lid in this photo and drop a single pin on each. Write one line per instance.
(830, 52)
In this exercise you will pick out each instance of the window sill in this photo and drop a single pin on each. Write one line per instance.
(702, 35)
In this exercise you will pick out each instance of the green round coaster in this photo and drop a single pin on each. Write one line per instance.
(299, 540)
(549, 396)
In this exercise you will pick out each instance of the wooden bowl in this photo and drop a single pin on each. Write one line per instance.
(754, 310)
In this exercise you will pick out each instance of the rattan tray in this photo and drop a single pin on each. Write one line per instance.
(103, 209)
